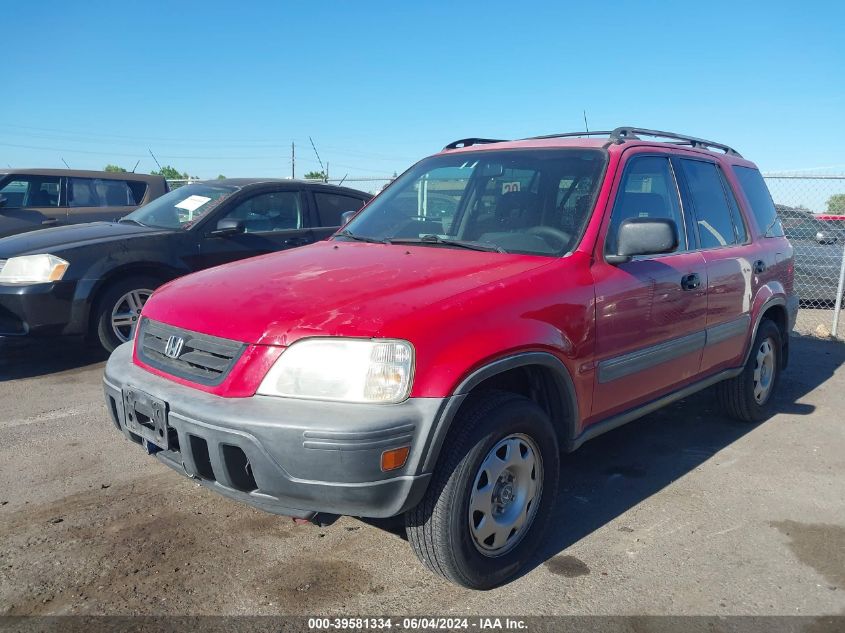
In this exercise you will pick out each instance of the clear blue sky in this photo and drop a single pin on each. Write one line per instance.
(224, 87)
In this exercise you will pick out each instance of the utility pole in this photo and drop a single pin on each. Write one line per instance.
(292, 160)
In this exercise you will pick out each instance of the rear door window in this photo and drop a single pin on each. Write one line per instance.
(713, 216)
(762, 205)
(31, 191)
(96, 192)
(330, 206)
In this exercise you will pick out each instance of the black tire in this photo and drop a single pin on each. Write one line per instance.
(101, 320)
(438, 529)
(737, 395)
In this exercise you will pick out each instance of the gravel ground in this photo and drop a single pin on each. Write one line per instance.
(682, 512)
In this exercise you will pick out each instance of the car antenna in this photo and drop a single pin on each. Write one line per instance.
(342, 179)
(65, 162)
(325, 171)
(136, 166)
(154, 158)
(586, 127)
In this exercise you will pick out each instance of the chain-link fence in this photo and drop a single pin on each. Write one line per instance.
(812, 210)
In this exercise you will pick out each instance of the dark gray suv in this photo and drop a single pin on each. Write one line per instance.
(37, 198)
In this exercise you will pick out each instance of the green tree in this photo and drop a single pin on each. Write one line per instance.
(114, 168)
(836, 203)
(315, 175)
(221, 177)
(171, 173)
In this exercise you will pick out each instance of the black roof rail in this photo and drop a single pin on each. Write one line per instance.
(467, 142)
(622, 134)
(619, 135)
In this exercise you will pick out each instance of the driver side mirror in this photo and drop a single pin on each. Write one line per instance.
(644, 236)
(229, 226)
(346, 216)
(3, 201)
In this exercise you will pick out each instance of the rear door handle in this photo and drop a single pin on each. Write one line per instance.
(759, 266)
(691, 281)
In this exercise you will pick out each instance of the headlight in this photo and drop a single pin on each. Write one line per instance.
(32, 269)
(350, 370)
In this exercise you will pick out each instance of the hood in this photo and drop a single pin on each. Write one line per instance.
(63, 238)
(327, 289)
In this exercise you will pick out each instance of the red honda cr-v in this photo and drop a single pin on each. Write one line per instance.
(500, 302)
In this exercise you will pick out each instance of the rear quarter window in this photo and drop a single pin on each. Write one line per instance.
(138, 189)
(762, 206)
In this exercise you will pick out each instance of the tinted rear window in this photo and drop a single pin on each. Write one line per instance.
(712, 213)
(762, 206)
(97, 192)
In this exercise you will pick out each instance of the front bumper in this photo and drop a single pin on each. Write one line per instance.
(283, 455)
(36, 309)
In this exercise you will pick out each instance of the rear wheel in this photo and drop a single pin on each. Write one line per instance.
(119, 310)
(489, 502)
(748, 397)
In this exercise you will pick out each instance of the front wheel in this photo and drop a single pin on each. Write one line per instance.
(491, 496)
(748, 397)
(118, 310)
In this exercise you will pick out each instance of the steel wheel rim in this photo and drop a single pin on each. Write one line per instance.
(126, 313)
(764, 371)
(505, 495)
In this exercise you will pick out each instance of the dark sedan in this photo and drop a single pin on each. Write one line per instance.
(92, 279)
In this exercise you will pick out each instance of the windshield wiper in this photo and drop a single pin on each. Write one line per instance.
(361, 238)
(436, 239)
(132, 220)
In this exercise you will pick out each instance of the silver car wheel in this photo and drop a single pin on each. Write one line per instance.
(764, 371)
(126, 313)
(505, 495)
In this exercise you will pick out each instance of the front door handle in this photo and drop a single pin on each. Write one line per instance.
(49, 221)
(691, 281)
(759, 266)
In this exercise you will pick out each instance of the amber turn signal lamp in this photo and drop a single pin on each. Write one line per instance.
(394, 458)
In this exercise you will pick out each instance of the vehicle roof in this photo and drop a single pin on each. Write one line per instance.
(82, 173)
(247, 182)
(592, 142)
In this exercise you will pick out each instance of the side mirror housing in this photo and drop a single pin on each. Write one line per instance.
(346, 216)
(3, 201)
(229, 226)
(644, 236)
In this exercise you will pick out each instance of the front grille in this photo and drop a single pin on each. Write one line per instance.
(204, 359)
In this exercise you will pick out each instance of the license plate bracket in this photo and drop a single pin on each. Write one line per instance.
(146, 416)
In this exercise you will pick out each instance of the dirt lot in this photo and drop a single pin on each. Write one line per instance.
(683, 512)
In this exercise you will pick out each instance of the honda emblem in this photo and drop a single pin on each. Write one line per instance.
(174, 346)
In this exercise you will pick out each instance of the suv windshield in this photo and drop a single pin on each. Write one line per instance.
(533, 202)
(182, 207)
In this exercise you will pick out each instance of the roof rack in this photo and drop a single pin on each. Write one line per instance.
(622, 134)
(619, 135)
(467, 142)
